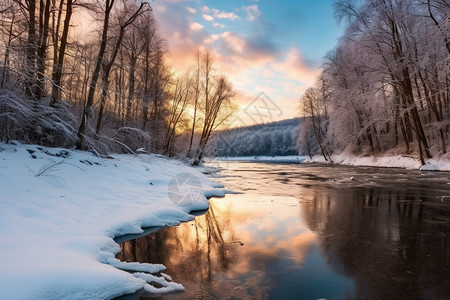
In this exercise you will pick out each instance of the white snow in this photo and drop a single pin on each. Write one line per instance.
(287, 158)
(394, 161)
(58, 218)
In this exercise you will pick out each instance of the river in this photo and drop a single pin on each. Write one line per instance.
(310, 232)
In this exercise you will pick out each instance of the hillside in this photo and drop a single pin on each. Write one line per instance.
(271, 139)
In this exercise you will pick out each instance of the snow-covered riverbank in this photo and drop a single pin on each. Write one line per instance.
(281, 159)
(394, 161)
(60, 210)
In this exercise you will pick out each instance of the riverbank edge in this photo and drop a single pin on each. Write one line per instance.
(389, 161)
(392, 161)
(63, 208)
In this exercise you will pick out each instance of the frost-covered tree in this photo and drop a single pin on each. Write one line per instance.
(388, 78)
(314, 106)
(272, 139)
(104, 64)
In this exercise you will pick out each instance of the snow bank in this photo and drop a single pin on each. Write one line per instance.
(61, 209)
(288, 158)
(394, 161)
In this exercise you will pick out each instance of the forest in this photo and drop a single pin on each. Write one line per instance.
(271, 139)
(107, 89)
(385, 88)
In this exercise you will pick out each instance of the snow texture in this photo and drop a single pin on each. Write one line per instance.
(394, 161)
(61, 209)
(287, 158)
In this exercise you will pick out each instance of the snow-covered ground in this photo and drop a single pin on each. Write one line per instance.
(394, 161)
(288, 158)
(60, 210)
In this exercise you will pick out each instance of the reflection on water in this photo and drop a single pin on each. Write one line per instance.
(310, 232)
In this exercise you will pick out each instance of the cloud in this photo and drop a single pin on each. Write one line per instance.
(212, 38)
(295, 67)
(191, 10)
(182, 27)
(250, 58)
(159, 8)
(220, 14)
(233, 43)
(179, 25)
(218, 25)
(284, 76)
(253, 12)
(196, 26)
(225, 15)
(208, 17)
(238, 52)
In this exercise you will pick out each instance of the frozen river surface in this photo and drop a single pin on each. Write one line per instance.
(311, 232)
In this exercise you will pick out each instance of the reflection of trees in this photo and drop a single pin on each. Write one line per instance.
(191, 251)
(393, 242)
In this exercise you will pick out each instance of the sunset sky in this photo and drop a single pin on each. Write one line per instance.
(263, 46)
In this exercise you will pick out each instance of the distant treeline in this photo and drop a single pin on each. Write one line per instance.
(273, 139)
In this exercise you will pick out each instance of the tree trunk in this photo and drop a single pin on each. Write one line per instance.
(196, 98)
(58, 67)
(105, 79)
(108, 66)
(131, 81)
(87, 112)
(147, 86)
(105, 89)
(30, 66)
(44, 19)
(5, 75)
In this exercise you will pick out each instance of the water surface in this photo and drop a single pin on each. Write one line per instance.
(311, 232)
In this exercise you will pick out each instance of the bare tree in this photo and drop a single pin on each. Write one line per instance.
(195, 70)
(10, 32)
(58, 58)
(178, 105)
(104, 66)
(216, 105)
(108, 64)
(121, 73)
(135, 43)
(314, 107)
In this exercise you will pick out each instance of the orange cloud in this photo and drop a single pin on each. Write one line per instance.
(212, 38)
(235, 53)
(251, 60)
(296, 68)
(196, 26)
